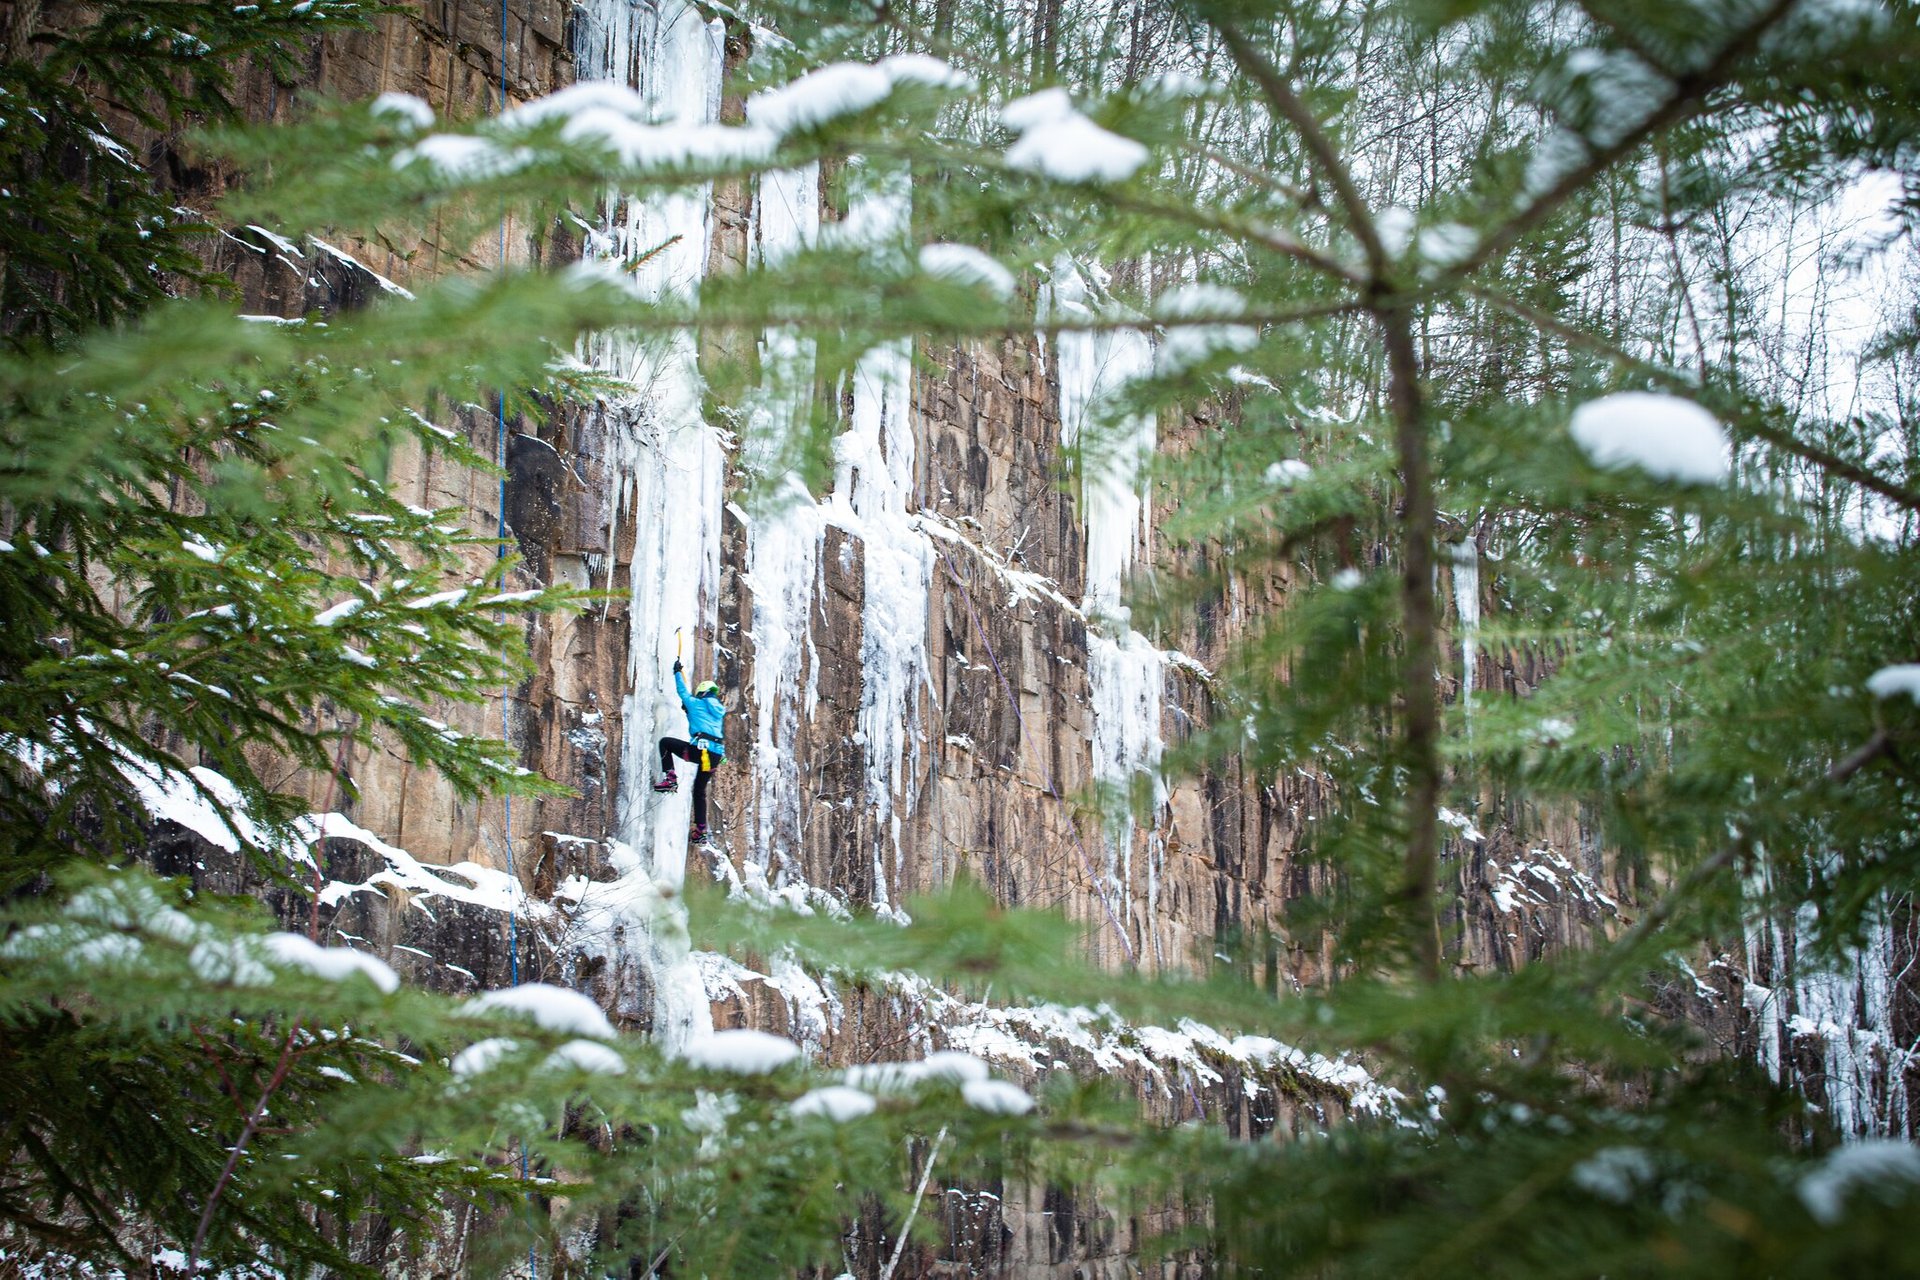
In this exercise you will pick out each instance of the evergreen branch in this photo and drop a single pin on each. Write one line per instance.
(1193, 216)
(99, 1213)
(220, 1067)
(1689, 96)
(1259, 319)
(1256, 175)
(1626, 36)
(1272, 239)
(16, 1213)
(1680, 383)
(942, 47)
(1461, 1244)
(1275, 87)
(1880, 744)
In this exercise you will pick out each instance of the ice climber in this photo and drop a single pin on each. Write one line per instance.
(705, 716)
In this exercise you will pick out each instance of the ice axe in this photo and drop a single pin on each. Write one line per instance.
(706, 764)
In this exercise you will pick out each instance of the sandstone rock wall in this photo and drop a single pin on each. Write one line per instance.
(1002, 757)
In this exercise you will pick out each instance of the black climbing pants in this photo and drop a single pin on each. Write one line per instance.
(670, 748)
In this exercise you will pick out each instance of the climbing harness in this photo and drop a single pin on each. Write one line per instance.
(706, 763)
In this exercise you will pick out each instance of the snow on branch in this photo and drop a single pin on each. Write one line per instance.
(1058, 142)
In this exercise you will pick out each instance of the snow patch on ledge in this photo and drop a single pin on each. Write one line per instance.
(1035, 1039)
(1186, 661)
(1031, 1037)
(1537, 878)
(467, 882)
(1461, 823)
(201, 800)
(341, 255)
(1022, 585)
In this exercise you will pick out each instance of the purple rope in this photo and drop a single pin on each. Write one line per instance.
(1013, 701)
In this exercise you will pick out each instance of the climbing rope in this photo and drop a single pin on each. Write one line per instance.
(500, 553)
(506, 693)
(1086, 860)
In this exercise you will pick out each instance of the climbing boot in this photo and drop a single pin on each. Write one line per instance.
(669, 783)
(699, 831)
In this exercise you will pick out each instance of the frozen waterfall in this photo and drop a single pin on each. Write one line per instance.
(872, 501)
(1126, 672)
(1465, 557)
(671, 463)
(874, 493)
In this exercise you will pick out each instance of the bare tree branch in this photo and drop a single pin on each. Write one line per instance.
(1678, 382)
(1275, 87)
(1689, 95)
(1256, 175)
(1273, 239)
(1875, 747)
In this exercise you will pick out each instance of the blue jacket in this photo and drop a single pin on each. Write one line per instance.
(704, 718)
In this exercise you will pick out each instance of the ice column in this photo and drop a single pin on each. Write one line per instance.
(1850, 1009)
(872, 500)
(873, 496)
(671, 464)
(1125, 671)
(783, 551)
(1847, 1009)
(1093, 368)
(1466, 602)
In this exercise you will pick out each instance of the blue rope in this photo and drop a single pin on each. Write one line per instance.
(506, 694)
(500, 550)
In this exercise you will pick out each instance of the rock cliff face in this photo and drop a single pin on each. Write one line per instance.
(928, 668)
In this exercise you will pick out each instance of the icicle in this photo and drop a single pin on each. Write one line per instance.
(1847, 1009)
(1093, 368)
(1126, 675)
